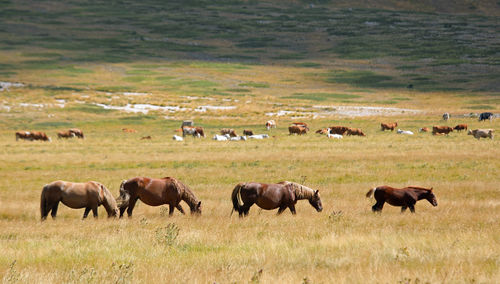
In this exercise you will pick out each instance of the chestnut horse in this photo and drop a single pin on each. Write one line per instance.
(271, 196)
(156, 192)
(404, 197)
(88, 195)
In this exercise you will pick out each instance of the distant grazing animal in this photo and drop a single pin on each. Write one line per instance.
(338, 129)
(446, 116)
(460, 127)
(221, 137)
(335, 136)
(424, 129)
(129, 130)
(282, 195)
(405, 132)
(404, 197)
(156, 192)
(297, 129)
(229, 131)
(146, 137)
(247, 132)
(88, 195)
(37, 135)
(177, 138)
(388, 126)
(355, 131)
(270, 124)
(192, 130)
(259, 136)
(65, 134)
(238, 138)
(485, 116)
(78, 133)
(25, 135)
(481, 133)
(187, 123)
(439, 130)
(323, 131)
(303, 124)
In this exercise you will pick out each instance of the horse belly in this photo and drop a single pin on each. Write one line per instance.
(153, 199)
(75, 200)
(266, 203)
(395, 202)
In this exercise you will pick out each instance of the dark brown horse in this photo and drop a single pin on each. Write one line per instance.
(156, 192)
(404, 197)
(88, 195)
(271, 196)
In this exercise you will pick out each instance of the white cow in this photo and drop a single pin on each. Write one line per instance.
(238, 138)
(335, 136)
(405, 132)
(177, 138)
(218, 137)
(259, 136)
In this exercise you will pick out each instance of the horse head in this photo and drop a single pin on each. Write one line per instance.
(109, 203)
(315, 201)
(431, 198)
(196, 209)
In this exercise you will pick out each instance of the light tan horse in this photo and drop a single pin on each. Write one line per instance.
(88, 195)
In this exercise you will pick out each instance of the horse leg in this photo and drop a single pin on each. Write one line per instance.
(94, 212)
(54, 210)
(412, 208)
(378, 206)
(281, 210)
(292, 209)
(122, 210)
(179, 207)
(403, 209)
(86, 213)
(170, 210)
(131, 206)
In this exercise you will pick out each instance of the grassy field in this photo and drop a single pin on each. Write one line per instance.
(83, 64)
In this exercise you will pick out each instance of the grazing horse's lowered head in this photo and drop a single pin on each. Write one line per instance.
(429, 196)
(304, 192)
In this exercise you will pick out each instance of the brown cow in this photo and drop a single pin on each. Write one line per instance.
(247, 132)
(338, 130)
(440, 130)
(388, 126)
(460, 127)
(355, 131)
(296, 129)
(424, 129)
(129, 130)
(196, 131)
(65, 134)
(78, 133)
(481, 133)
(25, 135)
(37, 135)
(229, 131)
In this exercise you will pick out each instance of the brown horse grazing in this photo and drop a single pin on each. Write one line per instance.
(271, 196)
(404, 197)
(156, 192)
(88, 195)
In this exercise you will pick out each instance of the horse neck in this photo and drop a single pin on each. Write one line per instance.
(420, 192)
(187, 195)
(109, 201)
(302, 192)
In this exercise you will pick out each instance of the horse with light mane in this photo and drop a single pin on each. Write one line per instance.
(404, 197)
(282, 195)
(156, 192)
(88, 195)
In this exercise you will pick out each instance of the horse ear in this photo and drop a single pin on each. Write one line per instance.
(431, 188)
(199, 204)
(316, 192)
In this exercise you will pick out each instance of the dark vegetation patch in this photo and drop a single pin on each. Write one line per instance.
(52, 124)
(254, 85)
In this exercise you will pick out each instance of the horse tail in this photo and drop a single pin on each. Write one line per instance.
(43, 202)
(370, 192)
(236, 197)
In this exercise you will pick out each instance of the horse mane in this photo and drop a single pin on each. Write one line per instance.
(301, 191)
(185, 192)
(420, 188)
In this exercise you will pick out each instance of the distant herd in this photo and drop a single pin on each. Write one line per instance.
(170, 191)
